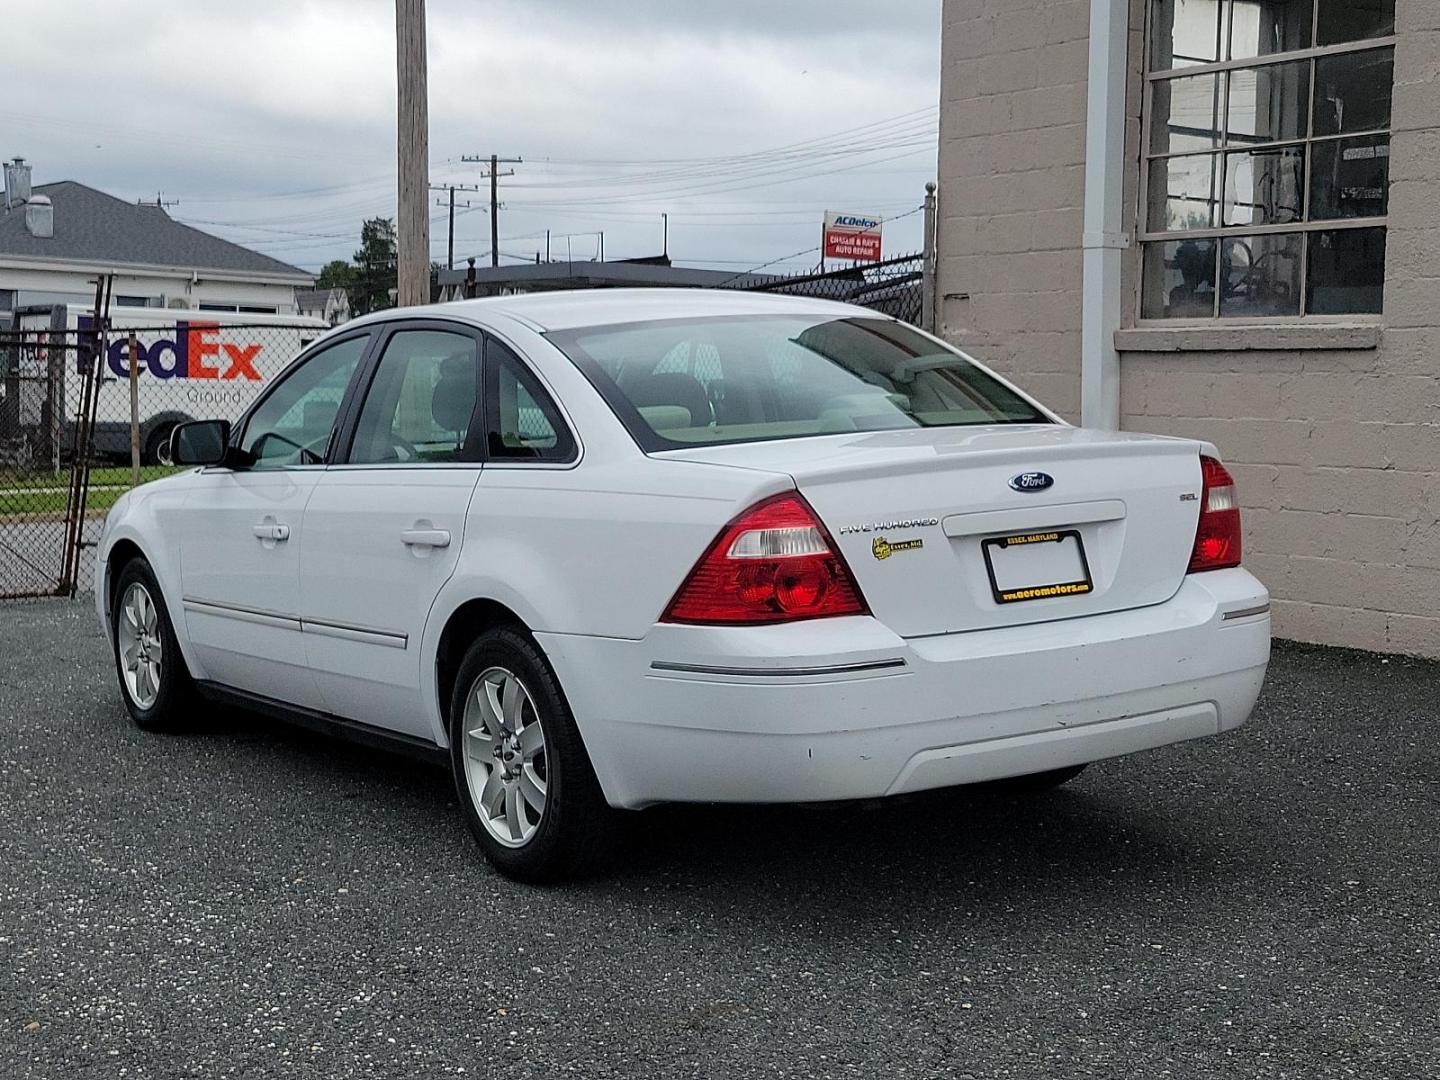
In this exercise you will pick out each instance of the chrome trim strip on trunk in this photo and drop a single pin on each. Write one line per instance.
(240, 614)
(788, 672)
(1245, 613)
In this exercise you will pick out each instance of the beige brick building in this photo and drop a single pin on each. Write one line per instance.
(1273, 167)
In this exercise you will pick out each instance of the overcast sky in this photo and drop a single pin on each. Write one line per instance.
(272, 122)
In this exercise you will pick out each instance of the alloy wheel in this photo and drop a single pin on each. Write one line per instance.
(504, 755)
(139, 641)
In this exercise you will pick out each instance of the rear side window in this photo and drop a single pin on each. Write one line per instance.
(749, 378)
(522, 423)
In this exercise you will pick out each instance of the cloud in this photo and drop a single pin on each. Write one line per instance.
(276, 119)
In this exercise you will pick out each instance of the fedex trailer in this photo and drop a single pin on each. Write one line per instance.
(191, 365)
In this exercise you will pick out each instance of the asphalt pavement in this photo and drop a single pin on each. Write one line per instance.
(255, 901)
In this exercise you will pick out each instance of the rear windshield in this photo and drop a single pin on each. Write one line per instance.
(747, 378)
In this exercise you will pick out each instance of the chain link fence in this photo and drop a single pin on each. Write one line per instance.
(73, 422)
(894, 286)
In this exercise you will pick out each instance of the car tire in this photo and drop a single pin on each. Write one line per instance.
(1035, 783)
(531, 800)
(154, 681)
(157, 446)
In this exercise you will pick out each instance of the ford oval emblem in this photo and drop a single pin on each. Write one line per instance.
(1031, 481)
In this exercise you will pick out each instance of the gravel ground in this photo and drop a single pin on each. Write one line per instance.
(256, 901)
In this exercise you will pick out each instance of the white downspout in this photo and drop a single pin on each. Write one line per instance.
(1104, 240)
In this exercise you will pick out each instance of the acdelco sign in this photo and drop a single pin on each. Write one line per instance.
(195, 352)
(852, 236)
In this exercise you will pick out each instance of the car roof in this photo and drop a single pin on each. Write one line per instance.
(571, 308)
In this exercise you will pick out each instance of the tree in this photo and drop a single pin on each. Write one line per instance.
(375, 267)
(336, 274)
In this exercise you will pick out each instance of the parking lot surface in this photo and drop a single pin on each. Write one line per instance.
(256, 901)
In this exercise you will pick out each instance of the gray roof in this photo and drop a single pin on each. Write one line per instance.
(93, 227)
(591, 275)
(315, 296)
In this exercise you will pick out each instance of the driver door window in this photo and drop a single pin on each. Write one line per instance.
(293, 425)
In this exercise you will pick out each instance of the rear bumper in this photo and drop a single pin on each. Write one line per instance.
(845, 709)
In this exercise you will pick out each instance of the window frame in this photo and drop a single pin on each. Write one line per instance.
(349, 425)
(1305, 226)
(241, 426)
(361, 385)
(566, 452)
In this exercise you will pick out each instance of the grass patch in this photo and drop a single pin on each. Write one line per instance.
(48, 503)
(47, 494)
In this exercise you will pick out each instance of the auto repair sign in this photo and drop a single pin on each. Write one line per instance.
(852, 236)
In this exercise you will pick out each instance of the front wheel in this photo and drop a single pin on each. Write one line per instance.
(525, 782)
(153, 678)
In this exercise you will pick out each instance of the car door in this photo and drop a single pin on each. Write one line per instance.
(241, 531)
(385, 523)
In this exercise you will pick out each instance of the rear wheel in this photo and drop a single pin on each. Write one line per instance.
(525, 782)
(154, 682)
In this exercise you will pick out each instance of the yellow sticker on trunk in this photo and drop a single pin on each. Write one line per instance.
(883, 549)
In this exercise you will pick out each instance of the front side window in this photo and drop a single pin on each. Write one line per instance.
(1267, 158)
(422, 402)
(746, 378)
(294, 423)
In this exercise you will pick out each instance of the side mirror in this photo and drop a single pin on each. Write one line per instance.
(200, 442)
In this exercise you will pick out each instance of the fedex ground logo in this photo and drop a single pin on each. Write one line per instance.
(195, 352)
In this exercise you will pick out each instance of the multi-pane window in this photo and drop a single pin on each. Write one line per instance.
(1267, 157)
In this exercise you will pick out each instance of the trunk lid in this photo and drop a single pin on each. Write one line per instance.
(940, 541)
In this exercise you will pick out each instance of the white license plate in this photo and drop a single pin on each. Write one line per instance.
(1037, 566)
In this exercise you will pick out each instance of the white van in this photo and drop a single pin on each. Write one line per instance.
(193, 364)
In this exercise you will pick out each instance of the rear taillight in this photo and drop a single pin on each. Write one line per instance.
(1217, 536)
(774, 563)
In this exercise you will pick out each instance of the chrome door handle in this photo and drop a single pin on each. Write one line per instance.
(434, 538)
(269, 530)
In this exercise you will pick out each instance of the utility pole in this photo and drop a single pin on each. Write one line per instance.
(665, 235)
(450, 241)
(413, 152)
(495, 174)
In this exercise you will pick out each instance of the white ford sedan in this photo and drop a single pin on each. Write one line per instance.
(601, 550)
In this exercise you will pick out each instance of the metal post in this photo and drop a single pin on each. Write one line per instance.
(665, 235)
(602, 245)
(450, 246)
(547, 245)
(1103, 241)
(494, 210)
(413, 150)
(928, 264)
(134, 410)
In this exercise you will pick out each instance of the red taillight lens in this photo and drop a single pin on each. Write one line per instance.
(1217, 536)
(774, 563)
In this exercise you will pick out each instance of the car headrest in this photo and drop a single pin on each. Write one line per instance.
(672, 388)
(453, 400)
